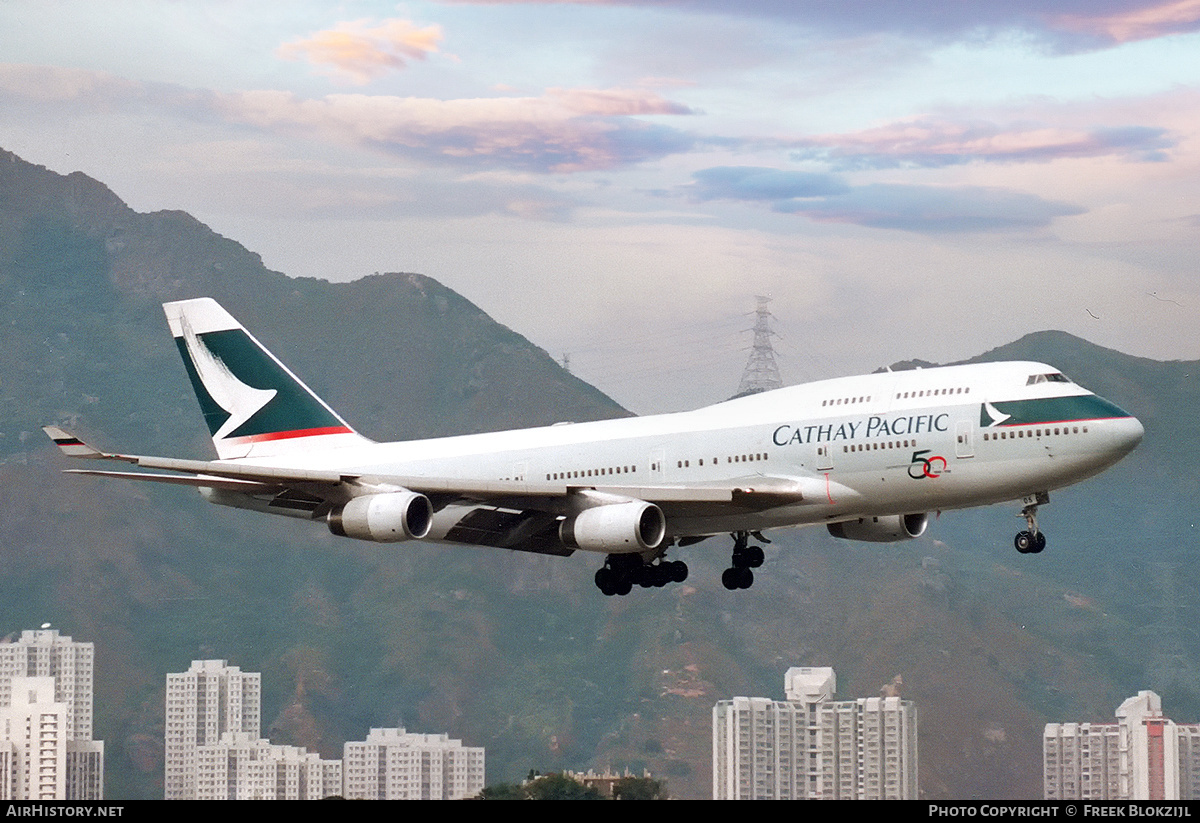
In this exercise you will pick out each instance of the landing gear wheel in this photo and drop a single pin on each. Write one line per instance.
(613, 580)
(606, 581)
(1029, 543)
(621, 572)
(679, 571)
(737, 578)
(1031, 540)
(754, 556)
(745, 557)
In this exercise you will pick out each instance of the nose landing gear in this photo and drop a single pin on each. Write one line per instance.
(1031, 540)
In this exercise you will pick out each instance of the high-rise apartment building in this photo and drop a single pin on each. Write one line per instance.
(33, 731)
(213, 748)
(203, 703)
(810, 746)
(392, 764)
(38, 670)
(1142, 756)
(241, 767)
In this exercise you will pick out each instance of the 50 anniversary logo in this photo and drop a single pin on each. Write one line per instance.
(926, 466)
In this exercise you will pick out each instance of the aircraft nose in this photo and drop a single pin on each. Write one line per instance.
(1130, 434)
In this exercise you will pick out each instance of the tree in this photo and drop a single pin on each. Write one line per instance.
(560, 787)
(503, 791)
(639, 788)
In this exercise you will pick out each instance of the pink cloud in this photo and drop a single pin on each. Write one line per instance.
(565, 130)
(931, 142)
(359, 52)
(1137, 24)
(610, 102)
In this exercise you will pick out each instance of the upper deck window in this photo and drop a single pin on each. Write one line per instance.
(1055, 377)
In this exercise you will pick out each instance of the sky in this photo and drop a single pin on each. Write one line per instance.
(618, 181)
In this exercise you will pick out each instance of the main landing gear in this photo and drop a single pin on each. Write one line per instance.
(1031, 540)
(745, 557)
(621, 572)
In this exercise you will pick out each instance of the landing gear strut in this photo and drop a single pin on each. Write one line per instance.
(621, 572)
(745, 557)
(1031, 540)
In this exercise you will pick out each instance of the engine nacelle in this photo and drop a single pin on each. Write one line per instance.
(615, 528)
(882, 529)
(387, 517)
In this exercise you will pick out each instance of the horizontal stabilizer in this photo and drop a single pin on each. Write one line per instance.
(71, 445)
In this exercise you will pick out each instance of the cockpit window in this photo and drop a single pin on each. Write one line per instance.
(1055, 377)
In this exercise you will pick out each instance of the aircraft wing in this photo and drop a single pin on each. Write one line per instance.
(493, 512)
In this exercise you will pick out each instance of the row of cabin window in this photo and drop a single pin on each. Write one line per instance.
(899, 396)
(682, 464)
(846, 401)
(888, 444)
(736, 458)
(571, 475)
(932, 393)
(1013, 435)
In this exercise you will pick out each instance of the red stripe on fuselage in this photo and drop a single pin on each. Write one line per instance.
(262, 438)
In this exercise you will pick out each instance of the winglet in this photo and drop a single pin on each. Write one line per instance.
(71, 445)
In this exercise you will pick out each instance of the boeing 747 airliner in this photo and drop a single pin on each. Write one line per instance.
(869, 457)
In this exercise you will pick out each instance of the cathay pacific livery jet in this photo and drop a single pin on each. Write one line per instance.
(870, 457)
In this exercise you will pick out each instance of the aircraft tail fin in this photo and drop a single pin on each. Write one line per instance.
(252, 403)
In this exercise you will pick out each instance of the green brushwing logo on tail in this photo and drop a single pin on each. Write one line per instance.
(244, 392)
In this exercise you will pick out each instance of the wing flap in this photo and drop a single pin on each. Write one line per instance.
(246, 486)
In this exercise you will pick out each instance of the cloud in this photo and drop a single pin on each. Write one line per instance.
(612, 102)
(1073, 23)
(757, 183)
(927, 209)
(1140, 21)
(566, 130)
(928, 142)
(57, 84)
(933, 209)
(359, 52)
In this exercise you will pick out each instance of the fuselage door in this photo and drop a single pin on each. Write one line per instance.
(657, 458)
(824, 457)
(964, 439)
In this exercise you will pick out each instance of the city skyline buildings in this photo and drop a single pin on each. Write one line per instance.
(1144, 755)
(812, 747)
(46, 712)
(208, 700)
(214, 751)
(394, 764)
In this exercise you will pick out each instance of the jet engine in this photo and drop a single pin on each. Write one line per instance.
(882, 529)
(615, 528)
(385, 518)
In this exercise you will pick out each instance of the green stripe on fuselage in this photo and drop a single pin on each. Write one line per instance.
(293, 408)
(1052, 410)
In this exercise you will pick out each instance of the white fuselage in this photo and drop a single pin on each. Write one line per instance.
(880, 444)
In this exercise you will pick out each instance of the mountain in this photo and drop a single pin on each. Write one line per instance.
(518, 653)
